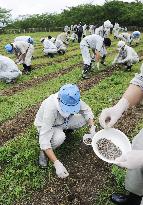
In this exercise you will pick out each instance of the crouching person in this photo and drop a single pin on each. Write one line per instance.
(49, 47)
(59, 112)
(127, 56)
(23, 52)
(9, 71)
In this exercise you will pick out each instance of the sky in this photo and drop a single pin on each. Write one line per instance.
(23, 7)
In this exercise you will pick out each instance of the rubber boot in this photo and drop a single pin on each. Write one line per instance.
(85, 72)
(103, 60)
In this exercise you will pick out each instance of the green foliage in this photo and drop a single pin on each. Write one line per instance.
(129, 14)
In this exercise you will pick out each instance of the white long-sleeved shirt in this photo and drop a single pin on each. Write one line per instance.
(22, 38)
(22, 46)
(63, 37)
(59, 44)
(93, 41)
(7, 65)
(49, 117)
(127, 54)
(49, 44)
(131, 54)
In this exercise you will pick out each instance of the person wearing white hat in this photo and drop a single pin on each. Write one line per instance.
(116, 30)
(133, 161)
(127, 56)
(49, 47)
(61, 111)
(9, 71)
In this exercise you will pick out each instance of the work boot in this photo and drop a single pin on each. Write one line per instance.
(51, 55)
(103, 60)
(128, 68)
(85, 72)
(121, 199)
(43, 161)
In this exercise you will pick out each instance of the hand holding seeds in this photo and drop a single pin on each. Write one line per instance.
(87, 139)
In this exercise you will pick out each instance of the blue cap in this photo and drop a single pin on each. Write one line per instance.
(69, 99)
(30, 40)
(9, 48)
(136, 34)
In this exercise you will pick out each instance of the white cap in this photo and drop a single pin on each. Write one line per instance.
(121, 44)
(107, 24)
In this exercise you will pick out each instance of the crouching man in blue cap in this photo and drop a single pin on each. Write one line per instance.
(61, 111)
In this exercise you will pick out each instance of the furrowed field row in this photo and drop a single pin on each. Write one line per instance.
(41, 70)
(23, 150)
(18, 102)
(10, 129)
(42, 67)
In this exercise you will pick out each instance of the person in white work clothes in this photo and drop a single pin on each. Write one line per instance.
(133, 160)
(9, 71)
(23, 51)
(97, 44)
(49, 47)
(61, 111)
(127, 56)
(27, 39)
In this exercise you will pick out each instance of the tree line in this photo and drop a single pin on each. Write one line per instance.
(125, 13)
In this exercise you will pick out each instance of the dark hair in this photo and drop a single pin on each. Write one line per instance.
(107, 41)
(49, 37)
(68, 32)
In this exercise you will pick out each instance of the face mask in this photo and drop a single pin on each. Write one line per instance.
(64, 114)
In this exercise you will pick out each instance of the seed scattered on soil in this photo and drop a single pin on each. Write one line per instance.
(108, 149)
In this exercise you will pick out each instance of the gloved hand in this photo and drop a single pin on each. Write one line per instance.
(97, 65)
(132, 160)
(87, 139)
(60, 170)
(110, 116)
(92, 130)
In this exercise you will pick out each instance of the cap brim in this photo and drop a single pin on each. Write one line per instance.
(70, 109)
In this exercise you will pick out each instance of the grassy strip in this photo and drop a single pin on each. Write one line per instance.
(17, 178)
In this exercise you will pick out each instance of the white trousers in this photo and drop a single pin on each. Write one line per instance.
(8, 76)
(85, 54)
(75, 122)
(50, 50)
(134, 177)
(28, 56)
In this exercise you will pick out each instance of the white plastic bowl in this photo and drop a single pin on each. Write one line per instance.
(116, 136)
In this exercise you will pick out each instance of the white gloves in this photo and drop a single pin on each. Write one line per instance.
(60, 170)
(87, 138)
(133, 160)
(92, 130)
(110, 116)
